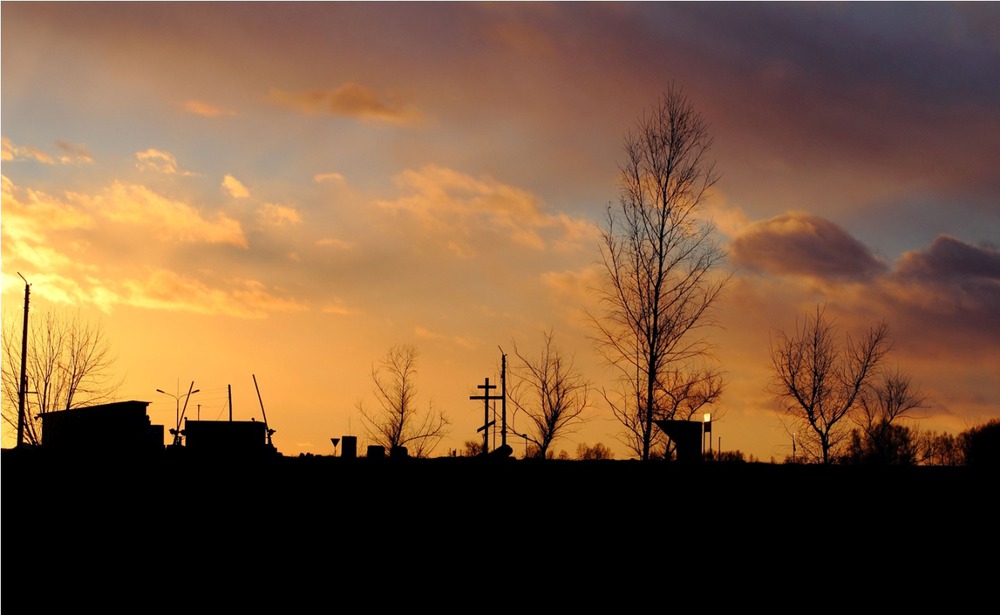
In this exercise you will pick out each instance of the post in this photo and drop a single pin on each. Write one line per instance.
(503, 399)
(22, 389)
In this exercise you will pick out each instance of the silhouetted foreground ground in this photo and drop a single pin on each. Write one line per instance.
(172, 521)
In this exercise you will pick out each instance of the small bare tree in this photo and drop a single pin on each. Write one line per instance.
(660, 261)
(550, 393)
(892, 398)
(597, 451)
(398, 423)
(818, 382)
(69, 364)
(881, 405)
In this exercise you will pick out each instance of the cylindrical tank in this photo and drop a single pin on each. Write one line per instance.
(349, 447)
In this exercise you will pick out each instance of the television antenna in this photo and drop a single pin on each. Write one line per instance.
(268, 430)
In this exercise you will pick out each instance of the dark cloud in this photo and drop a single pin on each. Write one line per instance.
(802, 244)
(944, 301)
(950, 258)
(949, 294)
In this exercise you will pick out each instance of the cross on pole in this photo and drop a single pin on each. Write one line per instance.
(486, 397)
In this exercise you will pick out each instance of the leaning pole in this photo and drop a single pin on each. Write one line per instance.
(22, 389)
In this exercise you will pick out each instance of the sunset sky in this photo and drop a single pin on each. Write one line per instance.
(287, 190)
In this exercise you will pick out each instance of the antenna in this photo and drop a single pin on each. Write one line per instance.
(264, 414)
(177, 436)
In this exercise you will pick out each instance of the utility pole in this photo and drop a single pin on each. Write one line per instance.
(503, 398)
(22, 389)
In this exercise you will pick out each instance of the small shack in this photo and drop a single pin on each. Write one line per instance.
(118, 427)
(226, 437)
(686, 436)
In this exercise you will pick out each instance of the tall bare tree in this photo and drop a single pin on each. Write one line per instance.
(69, 364)
(551, 394)
(398, 423)
(662, 269)
(818, 381)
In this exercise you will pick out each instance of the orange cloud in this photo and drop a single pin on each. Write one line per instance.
(73, 154)
(349, 100)
(204, 109)
(167, 290)
(155, 160)
(329, 177)
(464, 210)
(161, 216)
(278, 215)
(11, 152)
(234, 188)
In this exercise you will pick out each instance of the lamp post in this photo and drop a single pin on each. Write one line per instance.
(177, 412)
(707, 431)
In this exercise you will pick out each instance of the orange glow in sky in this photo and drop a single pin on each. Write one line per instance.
(287, 190)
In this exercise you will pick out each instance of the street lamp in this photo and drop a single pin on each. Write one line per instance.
(707, 431)
(176, 431)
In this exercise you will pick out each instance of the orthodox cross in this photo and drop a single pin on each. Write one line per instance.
(486, 397)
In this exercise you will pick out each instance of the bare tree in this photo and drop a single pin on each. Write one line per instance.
(818, 381)
(69, 364)
(398, 423)
(550, 393)
(661, 264)
(598, 451)
(891, 398)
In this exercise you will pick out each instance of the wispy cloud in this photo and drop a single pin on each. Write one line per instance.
(167, 290)
(156, 160)
(463, 210)
(11, 152)
(73, 153)
(161, 216)
(335, 178)
(278, 215)
(204, 109)
(349, 100)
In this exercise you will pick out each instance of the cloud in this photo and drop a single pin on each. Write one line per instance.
(161, 216)
(168, 290)
(950, 258)
(278, 215)
(11, 152)
(29, 215)
(349, 100)
(155, 160)
(338, 308)
(950, 292)
(802, 244)
(30, 218)
(336, 178)
(204, 109)
(73, 154)
(463, 211)
(234, 188)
